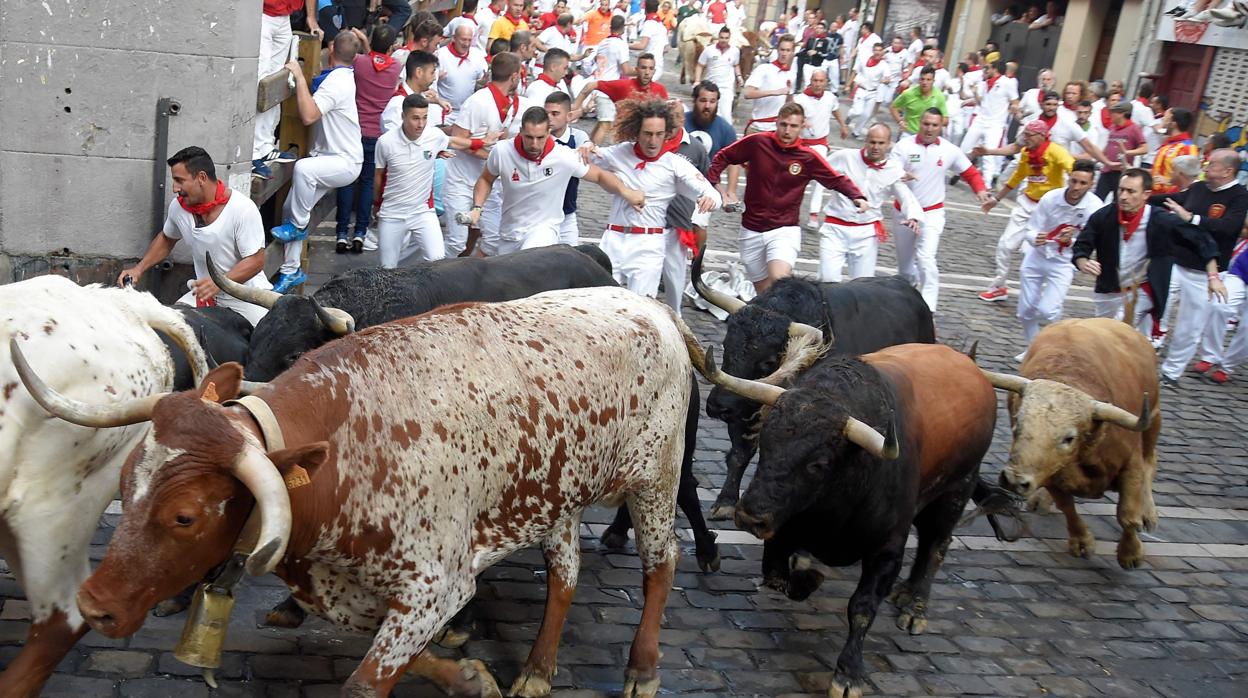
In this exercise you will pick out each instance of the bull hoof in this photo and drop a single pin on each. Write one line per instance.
(614, 540)
(709, 562)
(723, 511)
(1130, 553)
(845, 686)
(803, 583)
(637, 687)
(1040, 502)
(286, 614)
(169, 607)
(530, 684)
(1151, 517)
(451, 638)
(473, 669)
(913, 618)
(775, 581)
(901, 596)
(1081, 546)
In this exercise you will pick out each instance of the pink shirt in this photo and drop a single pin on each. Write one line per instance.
(373, 90)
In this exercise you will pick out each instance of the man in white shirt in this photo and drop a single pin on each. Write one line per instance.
(927, 159)
(929, 55)
(421, 70)
(485, 17)
(821, 106)
(533, 172)
(336, 153)
(559, 110)
(461, 68)
(406, 159)
(849, 41)
(634, 239)
(853, 236)
(553, 77)
(1063, 131)
(610, 62)
(1047, 267)
(870, 87)
(496, 107)
(467, 15)
(867, 38)
(770, 85)
(721, 62)
(213, 220)
(652, 37)
(896, 58)
(996, 98)
(1031, 103)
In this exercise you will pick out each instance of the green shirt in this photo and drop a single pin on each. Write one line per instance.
(912, 104)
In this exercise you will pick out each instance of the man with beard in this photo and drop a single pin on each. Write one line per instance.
(615, 91)
(704, 117)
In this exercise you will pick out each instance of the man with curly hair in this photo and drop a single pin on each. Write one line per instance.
(644, 159)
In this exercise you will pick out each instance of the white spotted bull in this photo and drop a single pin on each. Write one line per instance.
(433, 447)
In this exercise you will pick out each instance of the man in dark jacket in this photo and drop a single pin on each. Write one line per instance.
(1139, 246)
(1217, 205)
(820, 47)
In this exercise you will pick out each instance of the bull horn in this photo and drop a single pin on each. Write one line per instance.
(338, 321)
(754, 390)
(1106, 412)
(872, 441)
(1007, 381)
(258, 473)
(113, 414)
(797, 329)
(258, 296)
(730, 304)
(188, 342)
(246, 387)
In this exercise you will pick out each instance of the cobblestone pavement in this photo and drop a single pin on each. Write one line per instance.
(1007, 619)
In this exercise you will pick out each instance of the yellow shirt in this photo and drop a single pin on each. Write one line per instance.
(503, 29)
(1052, 175)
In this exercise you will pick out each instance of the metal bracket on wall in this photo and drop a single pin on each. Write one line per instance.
(166, 108)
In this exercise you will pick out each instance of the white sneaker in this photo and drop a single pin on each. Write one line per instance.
(370, 239)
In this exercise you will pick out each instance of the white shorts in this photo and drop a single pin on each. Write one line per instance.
(777, 245)
(604, 106)
(534, 236)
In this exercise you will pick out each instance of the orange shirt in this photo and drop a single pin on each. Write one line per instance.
(1163, 164)
(598, 26)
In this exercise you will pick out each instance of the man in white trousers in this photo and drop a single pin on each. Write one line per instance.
(533, 172)
(927, 159)
(853, 236)
(995, 99)
(635, 239)
(770, 85)
(328, 106)
(871, 83)
(686, 226)
(275, 41)
(1236, 284)
(406, 159)
(721, 62)
(1047, 269)
(821, 106)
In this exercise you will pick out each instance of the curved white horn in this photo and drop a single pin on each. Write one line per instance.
(797, 329)
(872, 441)
(116, 414)
(1105, 412)
(338, 321)
(259, 296)
(754, 390)
(189, 343)
(1007, 381)
(260, 476)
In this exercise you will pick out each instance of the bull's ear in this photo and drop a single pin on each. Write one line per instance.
(222, 383)
(297, 465)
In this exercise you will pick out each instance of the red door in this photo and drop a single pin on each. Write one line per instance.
(1185, 69)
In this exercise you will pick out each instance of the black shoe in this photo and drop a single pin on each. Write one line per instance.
(1177, 11)
(341, 247)
(1168, 382)
(953, 181)
(357, 245)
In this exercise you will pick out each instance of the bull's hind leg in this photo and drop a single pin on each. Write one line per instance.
(562, 550)
(1080, 538)
(878, 574)
(653, 514)
(935, 525)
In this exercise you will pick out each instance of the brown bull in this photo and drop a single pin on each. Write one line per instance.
(1086, 418)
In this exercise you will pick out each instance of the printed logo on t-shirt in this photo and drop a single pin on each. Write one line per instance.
(515, 175)
(915, 157)
(548, 171)
(795, 168)
(1216, 211)
(428, 154)
(940, 162)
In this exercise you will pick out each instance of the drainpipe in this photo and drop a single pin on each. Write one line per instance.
(166, 107)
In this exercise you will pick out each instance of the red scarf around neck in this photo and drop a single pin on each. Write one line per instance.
(1035, 158)
(1106, 121)
(550, 145)
(654, 16)
(1049, 121)
(381, 61)
(780, 65)
(809, 93)
(201, 210)
(504, 104)
(873, 61)
(1177, 138)
(990, 82)
(515, 21)
(463, 57)
(1130, 222)
(546, 79)
(873, 165)
(669, 146)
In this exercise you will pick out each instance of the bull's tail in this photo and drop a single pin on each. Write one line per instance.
(995, 501)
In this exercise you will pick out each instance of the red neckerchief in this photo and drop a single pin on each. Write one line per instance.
(723, 50)
(546, 79)
(974, 68)
(1061, 246)
(1069, 106)
(1131, 222)
(471, 16)
(1177, 138)
(990, 82)
(654, 16)
(381, 61)
(515, 21)
(550, 145)
(504, 106)
(1035, 158)
(463, 57)
(781, 66)
(776, 139)
(873, 165)
(873, 61)
(668, 147)
(1049, 121)
(808, 93)
(1106, 122)
(673, 144)
(402, 90)
(571, 34)
(201, 210)
(1143, 101)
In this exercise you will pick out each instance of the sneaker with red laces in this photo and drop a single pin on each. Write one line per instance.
(993, 294)
(1202, 366)
(1219, 376)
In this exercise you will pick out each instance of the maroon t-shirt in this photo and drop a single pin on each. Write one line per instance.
(374, 86)
(1129, 136)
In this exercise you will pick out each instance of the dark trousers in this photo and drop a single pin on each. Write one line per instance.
(357, 197)
(1108, 184)
(353, 14)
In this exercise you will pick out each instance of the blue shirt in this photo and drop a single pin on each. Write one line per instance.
(1239, 267)
(720, 131)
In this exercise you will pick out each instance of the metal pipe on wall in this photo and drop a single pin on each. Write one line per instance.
(166, 108)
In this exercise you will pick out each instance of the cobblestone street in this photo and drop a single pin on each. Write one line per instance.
(1007, 619)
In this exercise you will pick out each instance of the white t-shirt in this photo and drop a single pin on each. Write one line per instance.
(337, 132)
(927, 166)
(994, 105)
(1133, 254)
(896, 61)
(409, 169)
(479, 116)
(458, 77)
(818, 114)
(609, 56)
(769, 76)
(533, 190)
(1054, 211)
(485, 19)
(392, 115)
(662, 180)
(1067, 133)
(864, 49)
(553, 37)
(1029, 104)
(720, 66)
(657, 33)
(539, 90)
(238, 232)
(940, 81)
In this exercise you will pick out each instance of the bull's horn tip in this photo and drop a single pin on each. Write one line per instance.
(264, 559)
(710, 359)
